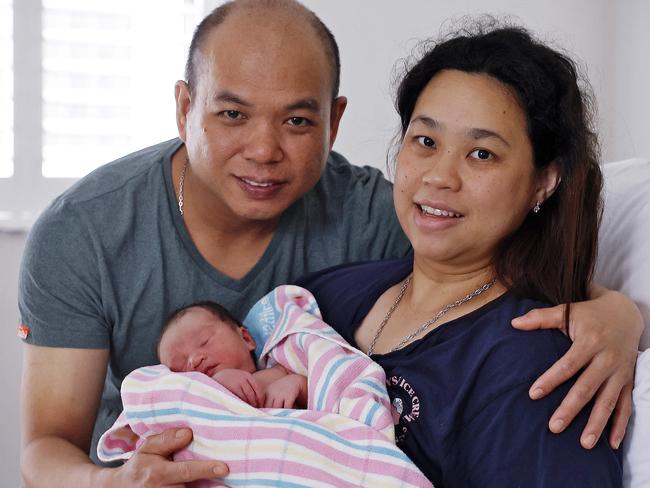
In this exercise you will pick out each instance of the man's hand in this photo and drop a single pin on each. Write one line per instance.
(605, 332)
(150, 465)
(243, 384)
(284, 392)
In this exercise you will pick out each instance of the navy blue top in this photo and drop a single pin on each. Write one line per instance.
(461, 390)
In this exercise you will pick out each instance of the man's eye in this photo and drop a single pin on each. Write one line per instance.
(298, 121)
(425, 141)
(482, 154)
(232, 114)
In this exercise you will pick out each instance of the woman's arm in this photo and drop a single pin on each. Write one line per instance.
(605, 331)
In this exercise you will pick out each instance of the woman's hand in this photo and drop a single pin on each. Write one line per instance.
(605, 332)
(150, 465)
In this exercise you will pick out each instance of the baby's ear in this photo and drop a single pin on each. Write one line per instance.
(248, 338)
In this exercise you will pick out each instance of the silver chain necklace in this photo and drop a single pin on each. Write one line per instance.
(180, 187)
(428, 323)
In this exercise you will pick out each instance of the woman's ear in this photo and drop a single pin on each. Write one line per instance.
(548, 179)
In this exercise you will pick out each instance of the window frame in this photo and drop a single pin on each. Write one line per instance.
(24, 195)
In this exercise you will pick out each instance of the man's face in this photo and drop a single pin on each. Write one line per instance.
(262, 121)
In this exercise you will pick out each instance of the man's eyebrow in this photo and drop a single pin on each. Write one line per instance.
(310, 104)
(229, 97)
(483, 133)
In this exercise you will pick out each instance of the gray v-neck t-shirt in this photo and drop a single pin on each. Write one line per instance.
(110, 258)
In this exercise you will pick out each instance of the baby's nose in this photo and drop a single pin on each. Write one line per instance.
(195, 361)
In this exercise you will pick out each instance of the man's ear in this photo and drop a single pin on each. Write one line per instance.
(183, 104)
(338, 107)
(548, 180)
(247, 337)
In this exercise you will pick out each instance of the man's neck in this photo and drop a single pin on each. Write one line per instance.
(230, 244)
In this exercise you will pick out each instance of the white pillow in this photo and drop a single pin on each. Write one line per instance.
(624, 243)
(636, 455)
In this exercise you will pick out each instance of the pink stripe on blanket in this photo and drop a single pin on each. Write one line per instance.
(290, 468)
(175, 395)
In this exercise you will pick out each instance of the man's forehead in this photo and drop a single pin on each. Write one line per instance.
(268, 47)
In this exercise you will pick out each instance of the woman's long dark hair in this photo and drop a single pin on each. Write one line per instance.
(552, 255)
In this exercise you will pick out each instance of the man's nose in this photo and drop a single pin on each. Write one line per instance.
(263, 144)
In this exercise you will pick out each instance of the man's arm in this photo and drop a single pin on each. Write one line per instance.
(60, 394)
(605, 331)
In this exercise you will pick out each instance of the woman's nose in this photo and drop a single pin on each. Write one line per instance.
(443, 172)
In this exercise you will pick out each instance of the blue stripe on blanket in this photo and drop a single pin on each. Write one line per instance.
(374, 386)
(371, 413)
(332, 370)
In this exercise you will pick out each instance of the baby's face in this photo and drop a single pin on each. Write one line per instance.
(199, 341)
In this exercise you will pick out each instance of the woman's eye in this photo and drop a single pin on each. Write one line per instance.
(425, 141)
(298, 121)
(482, 154)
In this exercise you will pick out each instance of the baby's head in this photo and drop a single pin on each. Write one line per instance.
(205, 337)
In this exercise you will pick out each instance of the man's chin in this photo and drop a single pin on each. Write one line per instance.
(265, 215)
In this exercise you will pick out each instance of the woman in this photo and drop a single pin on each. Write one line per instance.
(497, 186)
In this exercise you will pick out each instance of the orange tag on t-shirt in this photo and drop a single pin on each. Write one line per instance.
(23, 331)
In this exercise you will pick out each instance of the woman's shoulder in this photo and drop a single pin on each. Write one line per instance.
(511, 306)
(354, 272)
(345, 293)
(513, 355)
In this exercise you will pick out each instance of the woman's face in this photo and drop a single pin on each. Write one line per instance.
(465, 177)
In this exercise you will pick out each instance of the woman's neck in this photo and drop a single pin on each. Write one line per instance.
(435, 285)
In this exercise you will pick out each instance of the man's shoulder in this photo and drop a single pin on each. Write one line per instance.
(118, 174)
(111, 193)
(341, 176)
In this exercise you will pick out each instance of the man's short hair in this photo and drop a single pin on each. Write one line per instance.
(219, 15)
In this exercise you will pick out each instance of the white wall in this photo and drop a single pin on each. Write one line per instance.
(626, 113)
(608, 39)
(11, 246)
(611, 39)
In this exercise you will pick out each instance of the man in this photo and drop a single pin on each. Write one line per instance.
(244, 201)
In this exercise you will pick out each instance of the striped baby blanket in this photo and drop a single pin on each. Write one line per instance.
(343, 439)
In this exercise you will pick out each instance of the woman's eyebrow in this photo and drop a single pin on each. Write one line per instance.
(428, 121)
(474, 133)
(484, 133)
